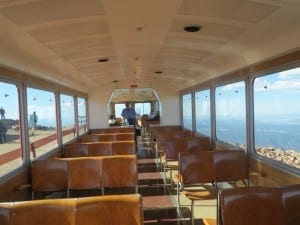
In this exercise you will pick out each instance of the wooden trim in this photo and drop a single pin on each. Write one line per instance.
(262, 174)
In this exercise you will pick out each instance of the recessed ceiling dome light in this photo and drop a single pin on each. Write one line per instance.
(101, 60)
(139, 28)
(192, 28)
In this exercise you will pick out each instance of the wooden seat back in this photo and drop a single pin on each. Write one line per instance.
(125, 136)
(248, 206)
(173, 147)
(84, 173)
(221, 166)
(199, 144)
(76, 150)
(230, 165)
(108, 210)
(107, 137)
(155, 131)
(46, 212)
(291, 204)
(120, 171)
(49, 175)
(99, 149)
(111, 130)
(123, 148)
(196, 167)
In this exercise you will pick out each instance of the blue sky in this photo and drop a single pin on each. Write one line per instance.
(42, 102)
(9, 100)
(279, 95)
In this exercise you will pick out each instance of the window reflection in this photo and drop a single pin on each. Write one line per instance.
(231, 113)
(187, 111)
(41, 121)
(276, 116)
(202, 112)
(82, 126)
(11, 156)
(67, 117)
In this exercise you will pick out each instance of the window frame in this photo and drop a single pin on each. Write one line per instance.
(85, 129)
(22, 120)
(192, 110)
(57, 147)
(220, 141)
(252, 150)
(22, 83)
(210, 110)
(74, 114)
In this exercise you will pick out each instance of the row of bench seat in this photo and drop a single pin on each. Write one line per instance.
(260, 206)
(235, 205)
(84, 149)
(173, 146)
(246, 206)
(156, 131)
(67, 174)
(84, 173)
(110, 130)
(213, 166)
(204, 170)
(107, 137)
(108, 210)
(171, 140)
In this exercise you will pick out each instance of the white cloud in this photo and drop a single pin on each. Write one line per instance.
(233, 86)
(293, 74)
(288, 80)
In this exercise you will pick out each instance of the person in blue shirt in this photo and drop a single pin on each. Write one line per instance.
(128, 114)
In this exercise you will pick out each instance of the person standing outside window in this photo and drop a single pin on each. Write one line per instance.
(3, 130)
(33, 122)
(2, 113)
(128, 114)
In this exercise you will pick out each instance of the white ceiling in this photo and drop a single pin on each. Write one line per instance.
(62, 40)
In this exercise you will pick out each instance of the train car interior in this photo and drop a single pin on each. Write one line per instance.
(155, 112)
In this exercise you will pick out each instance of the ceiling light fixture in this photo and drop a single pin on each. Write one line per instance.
(192, 28)
(139, 28)
(102, 60)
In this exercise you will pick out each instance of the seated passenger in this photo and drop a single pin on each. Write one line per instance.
(112, 120)
(154, 115)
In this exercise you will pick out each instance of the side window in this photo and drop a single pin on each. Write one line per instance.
(187, 115)
(42, 121)
(276, 116)
(202, 112)
(10, 141)
(118, 109)
(67, 117)
(231, 113)
(142, 108)
(81, 103)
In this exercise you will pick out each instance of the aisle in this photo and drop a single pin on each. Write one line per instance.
(158, 203)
